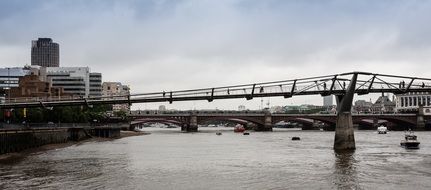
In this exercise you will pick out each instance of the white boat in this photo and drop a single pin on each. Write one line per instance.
(382, 129)
(410, 141)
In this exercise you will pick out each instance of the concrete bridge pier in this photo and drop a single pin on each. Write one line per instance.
(344, 135)
(375, 123)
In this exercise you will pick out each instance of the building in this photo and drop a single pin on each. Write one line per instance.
(328, 101)
(362, 106)
(111, 90)
(410, 102)
(30, 86)
(45, 53)
(95, 84)
(162, 108)
(383, 105)
(74, 80)
(9, 77)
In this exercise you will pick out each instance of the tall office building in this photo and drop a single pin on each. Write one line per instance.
(45, 53)
(95, 84)
(328, 101)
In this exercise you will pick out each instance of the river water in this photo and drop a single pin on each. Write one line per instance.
(169, 159)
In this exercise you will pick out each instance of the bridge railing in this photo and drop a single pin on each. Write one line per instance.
(323, 85)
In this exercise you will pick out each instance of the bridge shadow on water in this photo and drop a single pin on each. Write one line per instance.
(345, 175)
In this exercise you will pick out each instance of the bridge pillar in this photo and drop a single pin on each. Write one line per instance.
(267, 126)
(420, 121)
(375, 123)
(344, 135)
(192, 126)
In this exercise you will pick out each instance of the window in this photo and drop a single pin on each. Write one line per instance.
(428, 100)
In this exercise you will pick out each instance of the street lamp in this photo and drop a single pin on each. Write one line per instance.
(8, 83)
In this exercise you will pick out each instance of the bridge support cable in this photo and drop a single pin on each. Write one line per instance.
(344, 136)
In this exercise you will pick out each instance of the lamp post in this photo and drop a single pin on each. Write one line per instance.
(8, 83)
(8, 94)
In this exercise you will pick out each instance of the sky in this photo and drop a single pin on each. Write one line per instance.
(158, 45)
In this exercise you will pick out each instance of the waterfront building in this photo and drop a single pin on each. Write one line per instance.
(383, 105)
(111, 90)
(362, 106)
(410, 102)
(95, 84)
(45, 53)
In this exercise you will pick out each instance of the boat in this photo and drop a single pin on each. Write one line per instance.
(239, 129)
(218, 133)
(296, 138)
(382, 129)
(410, 141)
(246, 133)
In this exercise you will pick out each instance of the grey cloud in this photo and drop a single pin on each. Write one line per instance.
(161, 45)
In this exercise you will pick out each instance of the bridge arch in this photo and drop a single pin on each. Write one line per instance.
(305, 119)
(236, 119)
(158, 120)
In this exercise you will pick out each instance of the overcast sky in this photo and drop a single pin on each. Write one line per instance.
(172, 45)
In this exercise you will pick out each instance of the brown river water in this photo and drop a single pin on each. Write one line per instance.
(169, 159)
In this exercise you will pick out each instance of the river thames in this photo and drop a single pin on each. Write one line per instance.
(169, 159)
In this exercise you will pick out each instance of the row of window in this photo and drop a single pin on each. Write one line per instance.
(415, 101)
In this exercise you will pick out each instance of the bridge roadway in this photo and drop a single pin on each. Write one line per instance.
(265, 121)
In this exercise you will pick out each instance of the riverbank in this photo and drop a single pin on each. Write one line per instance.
(14, 157)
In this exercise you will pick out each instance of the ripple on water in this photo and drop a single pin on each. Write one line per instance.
(168, 159)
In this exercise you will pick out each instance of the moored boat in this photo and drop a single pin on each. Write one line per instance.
(410, 141)
(239, 129)
(382, 129)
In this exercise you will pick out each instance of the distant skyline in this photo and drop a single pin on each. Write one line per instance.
(172, 45)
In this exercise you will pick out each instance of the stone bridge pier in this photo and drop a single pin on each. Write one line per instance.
(192, 125)
(420, 121)
(267, 124)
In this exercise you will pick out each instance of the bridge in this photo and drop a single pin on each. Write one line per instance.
(344, 86)
(264, 121)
